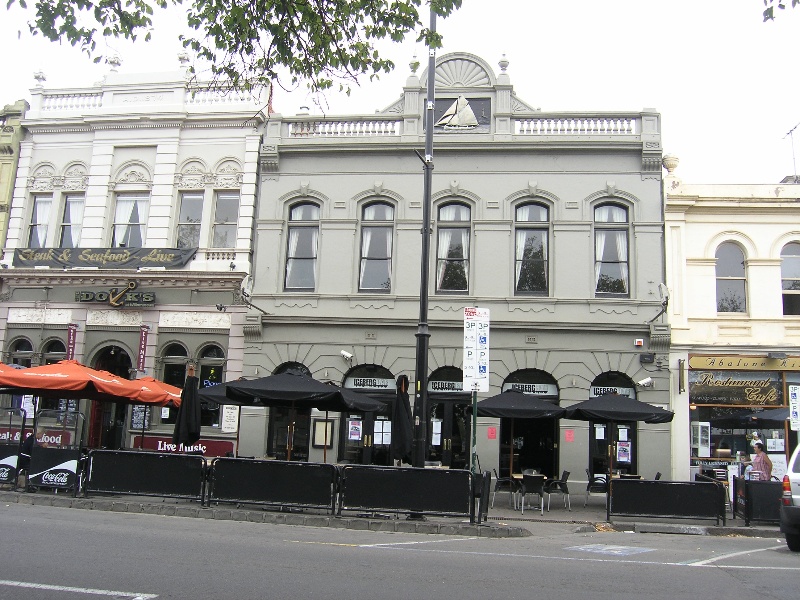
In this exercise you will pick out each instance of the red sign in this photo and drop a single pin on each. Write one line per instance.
(142, 347)
(72, 332)
(164, 444)
(569, 435)
(52, 437)
(491, 433)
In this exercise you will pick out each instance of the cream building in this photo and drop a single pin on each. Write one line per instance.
(733, 270)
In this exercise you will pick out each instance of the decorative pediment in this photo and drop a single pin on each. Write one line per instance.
(134, 176)
(462, 73)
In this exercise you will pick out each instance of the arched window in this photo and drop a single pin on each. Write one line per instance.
(377, 229)
(530, 255)
(731, 279)
(294, 368)
(22, 353)
(452, 259)
(301, 254)
(211, 371)
(611, 250)
(790, 278)
(54, 351)
(174, 358)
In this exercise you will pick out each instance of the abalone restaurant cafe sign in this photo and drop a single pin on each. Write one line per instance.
(103, 258)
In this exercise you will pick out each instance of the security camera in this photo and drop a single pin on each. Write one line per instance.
(646, 382)
(346, 355)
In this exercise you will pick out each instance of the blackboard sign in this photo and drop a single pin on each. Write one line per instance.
(140, 417)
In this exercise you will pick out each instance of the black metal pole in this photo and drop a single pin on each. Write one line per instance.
(423, 335)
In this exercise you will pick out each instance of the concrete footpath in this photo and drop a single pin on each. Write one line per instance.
(502, 522)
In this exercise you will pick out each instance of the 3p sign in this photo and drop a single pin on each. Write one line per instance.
(476, 349)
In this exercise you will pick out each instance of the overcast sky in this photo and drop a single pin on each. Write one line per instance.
(723, 81)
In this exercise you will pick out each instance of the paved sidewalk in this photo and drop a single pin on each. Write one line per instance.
(502, 522)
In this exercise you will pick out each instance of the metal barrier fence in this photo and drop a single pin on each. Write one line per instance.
(757, 500)
(407, 490)
(12, 428)
(146, 474)
(273, 482)
(57, 468)
(667, 499)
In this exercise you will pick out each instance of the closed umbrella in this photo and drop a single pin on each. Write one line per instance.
(187, 423)
(401, 423)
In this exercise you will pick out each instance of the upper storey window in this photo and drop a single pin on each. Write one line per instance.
(226, 217)
(190, 218)
(40, 217)
(377, 230)
(130, 220)
(530, 257)
(301, 254)
(611, 251)
(71, 221)
(452, 258)
(731, 279)
(790, 278)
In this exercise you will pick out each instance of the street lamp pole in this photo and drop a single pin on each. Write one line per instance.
(423, 335)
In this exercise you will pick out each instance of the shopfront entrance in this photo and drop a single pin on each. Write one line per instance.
(366, 438)
(448, 420)
(289, 433)
(107, 426)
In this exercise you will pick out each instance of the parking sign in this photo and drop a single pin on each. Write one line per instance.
(476, 349)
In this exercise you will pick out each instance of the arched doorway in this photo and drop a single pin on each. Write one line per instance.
(366, 438)
(622, 436)
(448, 420)
(289, 428)
(107, 419)
(534, 442)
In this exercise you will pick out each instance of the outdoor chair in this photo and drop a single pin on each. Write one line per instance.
(596, 485)
(532, 484)
(500, 481)
(559, 486)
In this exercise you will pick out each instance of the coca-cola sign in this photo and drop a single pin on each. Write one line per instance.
(56, 478)
(62, 475)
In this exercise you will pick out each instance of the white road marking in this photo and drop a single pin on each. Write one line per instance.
(597, 560)
(731, 555)
(77, 590)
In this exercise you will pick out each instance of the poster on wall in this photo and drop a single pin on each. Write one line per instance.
(354, 430)
(623, 452)
(230, 418)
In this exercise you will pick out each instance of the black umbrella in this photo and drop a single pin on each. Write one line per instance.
(401, 423)
(512, 404)
(187, 423)
(770, 416)
(516, 405)
(293, 391)
(616, 407)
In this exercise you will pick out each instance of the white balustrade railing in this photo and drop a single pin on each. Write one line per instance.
(575, 125)
(355, 128)
(71, 101)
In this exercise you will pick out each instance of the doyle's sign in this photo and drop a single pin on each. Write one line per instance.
(103, 258)
(119, 297)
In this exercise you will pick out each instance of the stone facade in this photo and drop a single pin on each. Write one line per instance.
(131, 225)
(10, 136)
(568, 334)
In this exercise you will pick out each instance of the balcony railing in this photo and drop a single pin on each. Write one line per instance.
(576, 125)
(344, 128)
(77, 101)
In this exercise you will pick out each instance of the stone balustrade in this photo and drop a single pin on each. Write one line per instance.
(344, 128)
(577, 125)
(71, 102)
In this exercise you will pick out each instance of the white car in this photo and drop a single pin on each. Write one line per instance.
(790, 502)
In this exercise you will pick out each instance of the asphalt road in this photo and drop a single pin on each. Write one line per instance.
(64, 554)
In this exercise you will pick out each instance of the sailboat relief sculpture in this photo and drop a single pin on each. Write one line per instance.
(458, 116)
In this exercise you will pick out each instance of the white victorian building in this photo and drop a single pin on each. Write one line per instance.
(733, 268)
